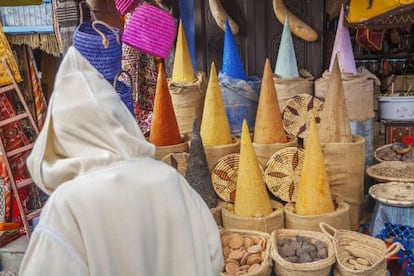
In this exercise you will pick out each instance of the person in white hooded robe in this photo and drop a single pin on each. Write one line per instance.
(113, 209)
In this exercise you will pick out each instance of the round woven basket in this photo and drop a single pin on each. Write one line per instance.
(178, 160)
(283, 267)
(224, 176)
(265, 151)
(298, 112)
(389, 171)
(162, 151)
(269, 223)
(215, 153)
(263, 239)
(339, 218)
(282, 174)
(351, 243)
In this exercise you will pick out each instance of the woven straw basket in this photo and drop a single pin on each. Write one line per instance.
(150, 30)
(269, 223)
(339, 218)
(266, 264)
(283, 267)
(359, 245)
(215, 153)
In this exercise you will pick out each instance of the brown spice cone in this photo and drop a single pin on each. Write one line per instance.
(268, 127)
(164, 127)
(334, 126)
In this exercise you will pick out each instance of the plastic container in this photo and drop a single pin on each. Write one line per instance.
(399, 108)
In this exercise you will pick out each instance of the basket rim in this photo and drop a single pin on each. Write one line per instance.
(311, 266)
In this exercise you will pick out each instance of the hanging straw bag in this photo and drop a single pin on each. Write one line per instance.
(151, 30)
(359, 254)
(125, 6)
(124, 91)
(100, 44)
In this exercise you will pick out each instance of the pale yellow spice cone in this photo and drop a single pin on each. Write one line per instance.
(164, 126)
(313, 195)
(252, 199)
(334, 126)
(183, 68)
(268, 127)
(215, 128)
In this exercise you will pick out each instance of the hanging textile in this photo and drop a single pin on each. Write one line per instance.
(38, 95)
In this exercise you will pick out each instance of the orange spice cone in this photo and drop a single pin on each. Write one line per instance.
(268, 127)
(183, 68)
(164, 127)
(334, 126)
(313, 195)
(252, 199)
(215, 128)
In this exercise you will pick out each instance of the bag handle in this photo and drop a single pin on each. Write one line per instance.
(392, 249)
(326, 228)
(81, 3)
(119, 74)
(105, 41)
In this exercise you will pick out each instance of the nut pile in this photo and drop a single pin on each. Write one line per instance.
(353, 259)
(302, 249)
(243, 253)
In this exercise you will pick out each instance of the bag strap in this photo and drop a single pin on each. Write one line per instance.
(105, 41)
(81, 3)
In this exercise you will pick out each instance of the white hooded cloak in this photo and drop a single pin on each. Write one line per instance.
(113, 209)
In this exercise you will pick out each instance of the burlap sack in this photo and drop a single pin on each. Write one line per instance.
(345, 167)
(188, 101)
(339, 217)
(359, 93)
(214, 153)
(287, 88)
(162, 151)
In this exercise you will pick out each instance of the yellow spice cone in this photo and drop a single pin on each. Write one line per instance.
(252, 199)
(268, 127)
(183, 68)
(215, 128)
(313, 195)
(334, 126)
(164, 127)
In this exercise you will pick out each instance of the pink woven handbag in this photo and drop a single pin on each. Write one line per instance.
(151, 30)
(124, 6)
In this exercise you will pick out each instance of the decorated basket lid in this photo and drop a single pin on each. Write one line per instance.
(177, 160)
(298, 112)
(283, 172)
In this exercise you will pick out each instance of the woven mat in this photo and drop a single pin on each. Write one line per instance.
(282, 174)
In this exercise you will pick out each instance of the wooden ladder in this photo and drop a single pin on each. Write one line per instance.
(26, 217)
